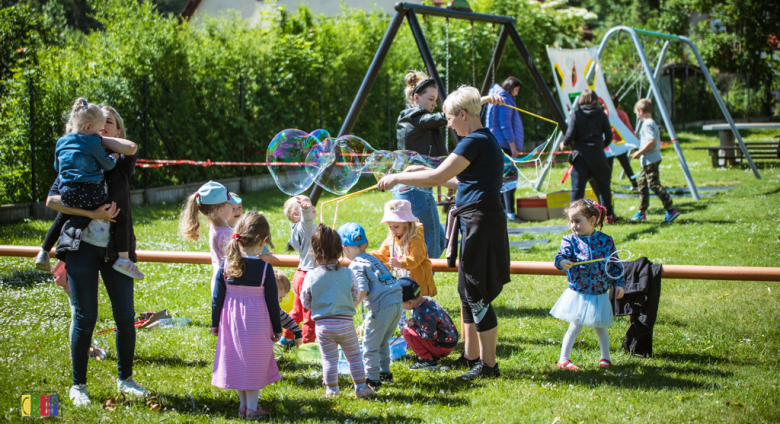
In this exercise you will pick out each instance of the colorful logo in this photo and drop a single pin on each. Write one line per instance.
(36, 405)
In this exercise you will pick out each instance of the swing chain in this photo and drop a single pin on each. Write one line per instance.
(447, 84)
(492, 60)
(473, 69)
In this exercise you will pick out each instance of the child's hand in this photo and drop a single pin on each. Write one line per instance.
(635, 155)
(298, 342)
(276, 337)
(566, 265)
(410, 322)
(395, 263)
(619, 292)
(214, 330)
(305, 204)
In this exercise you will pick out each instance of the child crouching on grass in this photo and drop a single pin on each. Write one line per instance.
(330, 293)
(430, 333)
(383, 301)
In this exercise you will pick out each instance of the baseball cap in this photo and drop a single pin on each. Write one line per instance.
(214, 193)
(409, 288)
(352, 234)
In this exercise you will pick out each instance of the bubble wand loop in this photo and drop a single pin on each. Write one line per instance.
(338, 201)
(611, 259)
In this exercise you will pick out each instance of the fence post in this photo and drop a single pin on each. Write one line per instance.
(747, 112)
(31, 90)
(241, 110)
(144, 129)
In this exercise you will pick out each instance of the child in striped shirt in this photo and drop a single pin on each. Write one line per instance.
(289, 324)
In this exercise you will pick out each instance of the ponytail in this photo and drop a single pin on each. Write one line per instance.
(234, 260)
(189, 224)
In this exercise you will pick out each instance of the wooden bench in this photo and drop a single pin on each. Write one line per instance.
(733, 154)
(726, 136)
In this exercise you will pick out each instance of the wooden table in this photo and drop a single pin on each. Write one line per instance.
(726, 135)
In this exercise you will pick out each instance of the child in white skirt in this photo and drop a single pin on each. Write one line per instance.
(586, 300)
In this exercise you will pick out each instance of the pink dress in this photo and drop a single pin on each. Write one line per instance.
(245, 357)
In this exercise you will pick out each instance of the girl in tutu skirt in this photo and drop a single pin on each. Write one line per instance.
(245, 316)
(586, 300)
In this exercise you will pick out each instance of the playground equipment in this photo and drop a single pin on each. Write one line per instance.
(685, 272)
(458, 11)
(652, 75)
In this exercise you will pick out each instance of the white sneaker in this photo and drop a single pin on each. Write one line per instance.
(127, 267)
(130, 387)
(42, 261)
(78, 394)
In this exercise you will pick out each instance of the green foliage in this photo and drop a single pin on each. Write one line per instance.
(216, 87)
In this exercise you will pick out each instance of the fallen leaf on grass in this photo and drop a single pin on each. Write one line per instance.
(735, 403)
(686, 397)
(154, 403)
(723, 295)
(110, 404)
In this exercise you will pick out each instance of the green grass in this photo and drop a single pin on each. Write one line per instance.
(715, 341)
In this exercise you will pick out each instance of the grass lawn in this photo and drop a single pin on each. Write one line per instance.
(716, 342)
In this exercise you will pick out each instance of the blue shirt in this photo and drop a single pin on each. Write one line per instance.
(590, 278)
(372, 276)
(484, 175)
(80, 158)
(504, 122)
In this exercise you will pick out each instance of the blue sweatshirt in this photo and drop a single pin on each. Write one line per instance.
(504, 122)
(589, 278)
(80, 158)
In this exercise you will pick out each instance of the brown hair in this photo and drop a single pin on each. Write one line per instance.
(588, 97)
(412, 79)
(282, 282)
(326, 245)
(644, 105)
(589, 209)
(251, 230)
(615, 101)
(510, 83)
(189, 222)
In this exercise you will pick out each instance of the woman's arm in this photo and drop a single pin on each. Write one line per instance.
(103, 213)
(443, 175)
(120, 145)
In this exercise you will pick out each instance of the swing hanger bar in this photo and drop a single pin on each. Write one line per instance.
(450, 13)
(656, 34)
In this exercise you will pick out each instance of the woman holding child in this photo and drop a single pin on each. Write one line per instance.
(87, 244)
(475, 168)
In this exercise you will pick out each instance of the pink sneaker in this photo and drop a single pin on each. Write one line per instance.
(242, 412)
(127, 267)
(256, 415)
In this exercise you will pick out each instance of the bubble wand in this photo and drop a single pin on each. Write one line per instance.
(338, 201)
(611, 259)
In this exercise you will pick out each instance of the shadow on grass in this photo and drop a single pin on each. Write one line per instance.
(19, 279)
(504, 311)
(696, 358)
(769, 193)
(172, 361)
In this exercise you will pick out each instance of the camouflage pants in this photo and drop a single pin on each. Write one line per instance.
(650, 177)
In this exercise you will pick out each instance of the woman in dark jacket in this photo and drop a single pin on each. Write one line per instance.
(86, 245)
(476, 168)
(419, 129)
(589, 133)
(506, 125)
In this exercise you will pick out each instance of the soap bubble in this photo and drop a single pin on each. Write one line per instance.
(286, 158)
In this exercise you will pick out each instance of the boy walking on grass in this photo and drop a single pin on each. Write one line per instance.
(649, 154)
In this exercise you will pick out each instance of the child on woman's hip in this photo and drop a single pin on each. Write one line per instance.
(245, 316)
(330, 293)
(382, 295)
(301, 214)
(404, 249)
(586, 300)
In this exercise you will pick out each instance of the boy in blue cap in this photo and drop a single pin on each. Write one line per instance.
(383, 301)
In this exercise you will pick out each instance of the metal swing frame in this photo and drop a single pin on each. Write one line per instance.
(410, 11)
(653, 74)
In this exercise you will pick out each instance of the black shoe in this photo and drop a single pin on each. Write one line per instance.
(373, 383)
(425, 364)
(481, 370)
(462, 362)
(386, 377)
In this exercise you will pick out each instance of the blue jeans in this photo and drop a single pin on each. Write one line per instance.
(424, 209)
(83, 267)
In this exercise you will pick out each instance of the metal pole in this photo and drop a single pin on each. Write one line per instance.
(365, 87)
(537, 77)
(451, 13)
(389, 121)
(498, 54)
(656, 76)
(145, 129)
(430, 64)
(747, 112)
(31, 90)
(241, 109)
(722, 105)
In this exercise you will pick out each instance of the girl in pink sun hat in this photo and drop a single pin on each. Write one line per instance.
(404, 249)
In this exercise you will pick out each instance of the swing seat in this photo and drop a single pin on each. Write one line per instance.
(461, 5)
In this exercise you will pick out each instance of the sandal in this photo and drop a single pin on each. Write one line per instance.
(567, 365)
(605, 363)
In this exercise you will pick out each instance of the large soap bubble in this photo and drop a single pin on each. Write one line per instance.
(286, 158)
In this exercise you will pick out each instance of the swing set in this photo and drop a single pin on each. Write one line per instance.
(458, 9)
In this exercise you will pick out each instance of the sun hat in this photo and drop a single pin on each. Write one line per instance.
(398, 211)
(409, 288)
(214, 193)
(352, 234)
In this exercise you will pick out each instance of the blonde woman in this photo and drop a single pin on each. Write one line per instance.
(475, 167)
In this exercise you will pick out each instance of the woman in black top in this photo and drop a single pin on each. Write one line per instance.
(590, 133)
(476, 168)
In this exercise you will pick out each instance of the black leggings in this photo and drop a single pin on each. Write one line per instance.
(625, 163)
(475, 313)
(509, 195)
(587, 165)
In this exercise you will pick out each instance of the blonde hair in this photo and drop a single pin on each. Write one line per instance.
(464, 98)
(83, 113)
(120, 123)
(644, 105)
(189, 221)
(282, 282)
(411, 232)
(252, 230)
(412, 79)
(291, 206)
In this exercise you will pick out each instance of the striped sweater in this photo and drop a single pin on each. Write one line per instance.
(289, 324)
